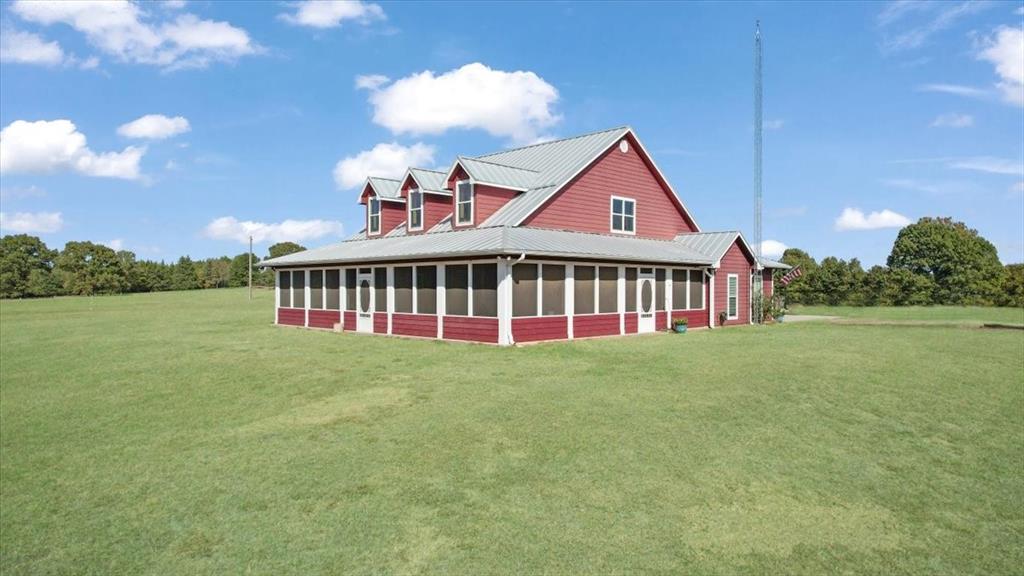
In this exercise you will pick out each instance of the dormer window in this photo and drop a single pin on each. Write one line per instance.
(415, 209)
(463, 202)
(623, 215)
(373, 212)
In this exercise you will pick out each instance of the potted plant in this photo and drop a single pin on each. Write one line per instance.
(679, 324)
(722, 316)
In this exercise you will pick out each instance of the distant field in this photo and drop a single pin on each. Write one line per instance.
(924, 313)
(182, 433)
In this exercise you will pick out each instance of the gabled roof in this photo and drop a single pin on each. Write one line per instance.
(485, 172)
(385, 188)
(714, 244)
(428, 180)
(769, 263)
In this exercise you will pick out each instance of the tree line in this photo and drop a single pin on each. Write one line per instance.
(933, 261)
(30, 269)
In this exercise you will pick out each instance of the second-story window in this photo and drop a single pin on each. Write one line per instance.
(415, 209)
(623, 215)
(373, 208)
(464, 202)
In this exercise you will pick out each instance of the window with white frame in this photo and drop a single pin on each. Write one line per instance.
(463, 202)
(415, 209)
(373, 210)
(623, 215)
(284, 288)
(733, 309)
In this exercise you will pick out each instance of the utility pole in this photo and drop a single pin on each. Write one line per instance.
(250, 267)
(758, 287)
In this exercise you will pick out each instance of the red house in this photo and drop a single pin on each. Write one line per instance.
(574, 238)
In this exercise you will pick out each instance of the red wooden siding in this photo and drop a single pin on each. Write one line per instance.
(631, 322)
(350, 320)
(324, 318)
(696, 318)
(380, 323)
(585, 204)
(471, 328)
(391, 215)
(458, 174)
(768, 282)
(540, 328)
(291, 316)
(424, 325)
(736, 261)
(660, 320)
(595, 325)
(487, 200)
(435, 207)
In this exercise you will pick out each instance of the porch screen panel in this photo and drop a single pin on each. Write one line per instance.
(426, 289)
(553, 288)
(659, 292)
(456, 290)
(583, 292)
(524, 290)
(679, 289)
(299, 289)
(696, 289)
(380, 287)
(485, 290)
(608, 290)
(316, 289)
(630, 289)
(284, 284)
(332, 283)
(350, 289)
(403, 289)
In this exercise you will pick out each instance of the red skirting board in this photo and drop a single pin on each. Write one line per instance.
(632, 318)
(380, 323)
(350, 320)
(324, 318)
(424, 325)
(540, 328)
(661, 320)
(471, 329)
(595, 325)
(291, 316)
(696, 318)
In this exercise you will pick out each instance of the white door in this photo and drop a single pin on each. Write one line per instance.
(645, 299)
(364, 301)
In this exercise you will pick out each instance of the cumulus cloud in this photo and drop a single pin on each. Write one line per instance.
(31, 222)
(854, 219)
(154, 127)
(53, 145)
(1005, 50)
(125, 31)
(772, 248)
(230, 228)
(517, 105)
(953, 120)
(18, 47)
(117, 244)
(385, 160)
(331, 13)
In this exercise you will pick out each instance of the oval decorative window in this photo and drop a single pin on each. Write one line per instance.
(623, 146)
(646, 296)
(364, 295)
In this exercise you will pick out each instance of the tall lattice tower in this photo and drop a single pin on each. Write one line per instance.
(758, 293)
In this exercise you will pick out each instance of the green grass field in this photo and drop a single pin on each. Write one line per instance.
(953, 314)
(182, 433)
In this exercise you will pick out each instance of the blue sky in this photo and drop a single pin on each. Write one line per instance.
(179, 127)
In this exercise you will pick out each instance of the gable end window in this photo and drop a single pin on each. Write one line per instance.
(733, 296)
(415, 209)
(373, 211)
(623, 215)
(463, 202)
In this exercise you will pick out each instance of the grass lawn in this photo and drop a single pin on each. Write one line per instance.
(182, 433)
(917, 313)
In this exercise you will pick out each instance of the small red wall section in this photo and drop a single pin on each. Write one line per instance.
(696, 318)
(487, 200)
(391, 215)
(540, 328)
(768, 283)
(350, 320)
(380, 323)
(324, 318)
(632, 318)
(585, 203)
(472, 329)
(735, 261)
(661, 320)
(595, 325)
(435, 207)
(291, 316)
(423, 325)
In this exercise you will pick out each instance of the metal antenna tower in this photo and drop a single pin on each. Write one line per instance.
(758, 186)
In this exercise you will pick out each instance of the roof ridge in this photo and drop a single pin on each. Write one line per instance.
(460, 157)
(623, 127)
(385, 178)
(426, 170)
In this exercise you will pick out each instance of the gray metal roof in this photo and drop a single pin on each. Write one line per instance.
(386, 188)
(493, 173)
(498, 240)
(714, 244)
(430, 180)
(769, 263)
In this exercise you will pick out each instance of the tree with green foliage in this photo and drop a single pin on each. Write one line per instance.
(838, 282)
(963, 266)
(183, 275)
(149, 276)
(284, 248)
(904, 288)
(239, 273)
(86, 268)
(1011, 292)
(800, 290)
(26, 267)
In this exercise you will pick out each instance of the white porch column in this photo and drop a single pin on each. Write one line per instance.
(504, 302)
(342, 295)
(440, 300)
(391, 294)
(711, 301)
(620, 289)
(669, 305)
(570, 296)
(305, 300)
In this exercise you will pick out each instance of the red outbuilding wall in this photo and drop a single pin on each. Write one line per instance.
(487, 200)
(423, 325)
(472, 329)
(739, 262)
(696, 318)
(768, 283)
(324, 318)
(291, 316)
(540, 328)
(380, 323)
(595, 325)
(632, 320)
(350, 320)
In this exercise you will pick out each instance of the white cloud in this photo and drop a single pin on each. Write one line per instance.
(22, 192)
(385, 160)
(371, 81)
(854, 219)
(331, 13)
(116, 244)
(517, 104)
(31, 222)
(154, 127)
(940, 16)
(230, 228)
(776, 124)
(47, 146)
(772, 249)
(956, 89)
(953, 120)
(1006, 52)
(124, 30)
(173, 4)
(1017, 189)
(990, 165)
(18, 47)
